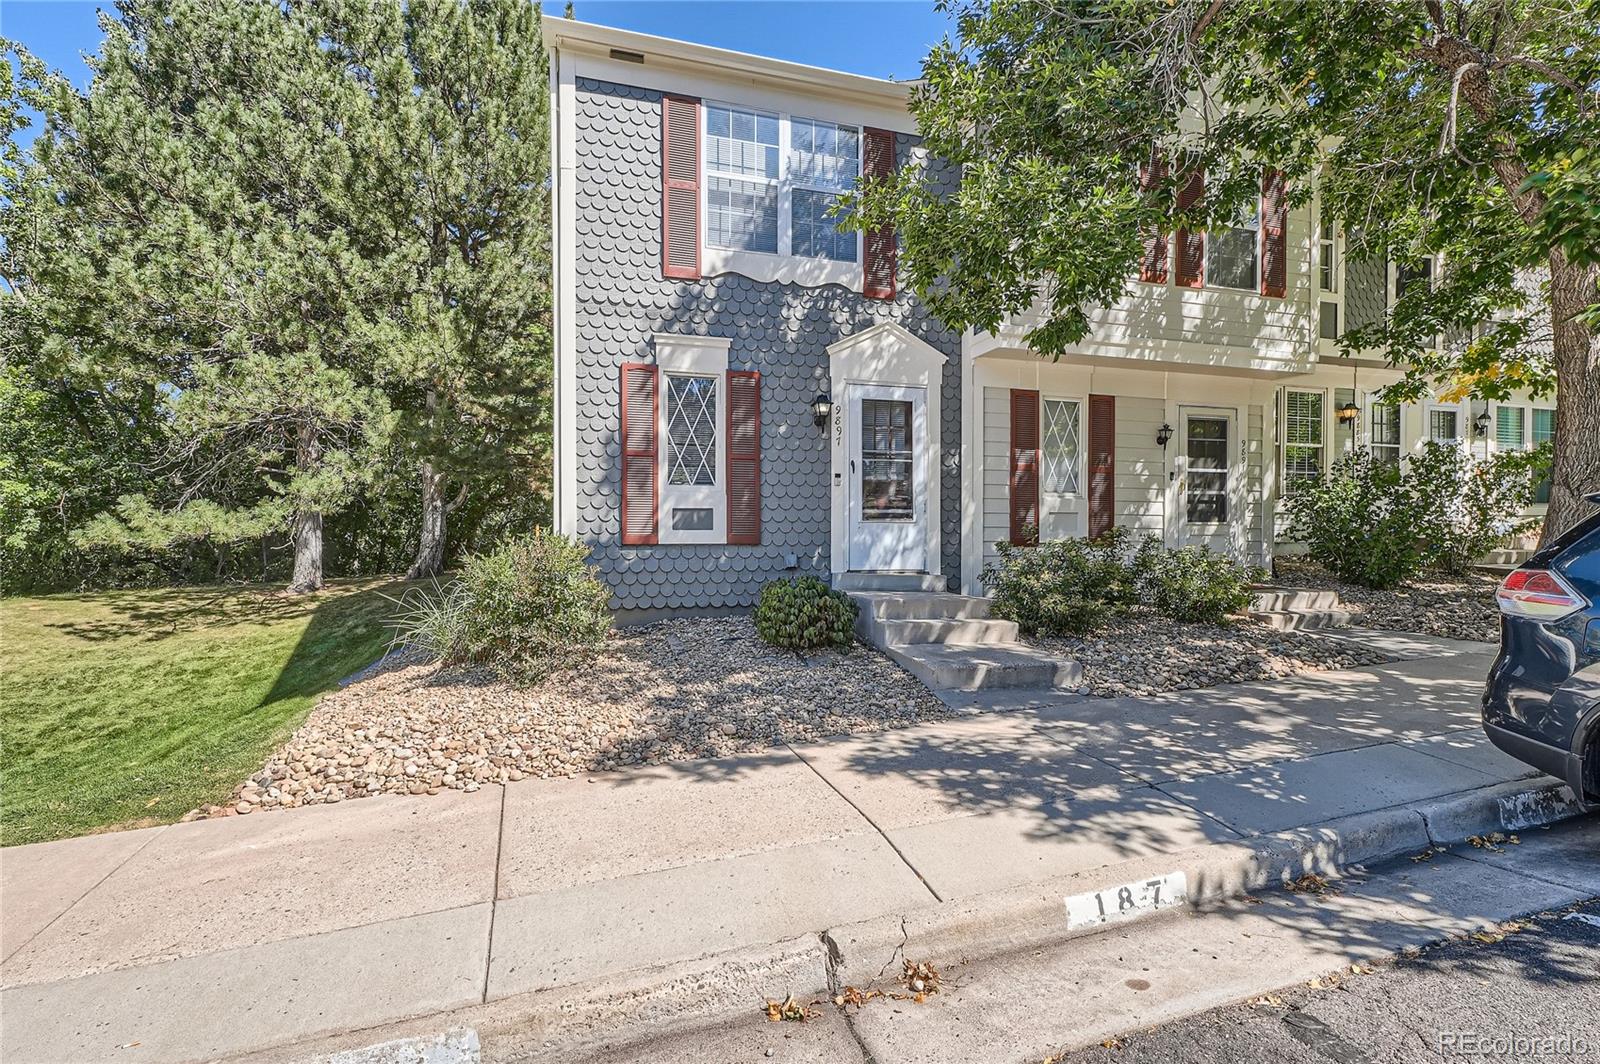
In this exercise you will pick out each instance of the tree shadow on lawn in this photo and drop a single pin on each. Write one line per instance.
(160, 613)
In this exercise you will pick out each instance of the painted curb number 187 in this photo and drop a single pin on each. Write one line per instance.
(1128, 900)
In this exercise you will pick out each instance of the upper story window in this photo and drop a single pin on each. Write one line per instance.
(771, 179)
(1327, 259)
(1419, 274)
(1233, 253)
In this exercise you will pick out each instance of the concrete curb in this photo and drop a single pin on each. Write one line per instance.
(564, 1022)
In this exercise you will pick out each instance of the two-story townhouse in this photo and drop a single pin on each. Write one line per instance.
(743, 392)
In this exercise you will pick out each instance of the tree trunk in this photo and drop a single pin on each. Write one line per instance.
(430, 550)
(305, 528)
(1576, 351)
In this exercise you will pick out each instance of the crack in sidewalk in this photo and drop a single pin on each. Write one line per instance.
(883, 834)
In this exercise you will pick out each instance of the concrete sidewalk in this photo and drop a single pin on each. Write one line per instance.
(222, 937)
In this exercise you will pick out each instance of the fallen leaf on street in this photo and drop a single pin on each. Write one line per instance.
(788, 1009)
(1267, 1001)
(1311, 883)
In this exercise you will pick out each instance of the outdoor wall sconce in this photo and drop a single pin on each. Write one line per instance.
(1164, 435)
(821, 410)
(1480, 424)
(1348, 413)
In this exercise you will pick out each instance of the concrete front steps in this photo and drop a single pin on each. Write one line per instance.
(950, 642)
(1294, 609)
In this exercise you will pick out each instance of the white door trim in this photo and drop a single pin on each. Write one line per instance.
(879, 538)
(1186, 531)
(886, 354)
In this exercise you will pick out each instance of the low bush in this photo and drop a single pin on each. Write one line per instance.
(1071, 586)
(1379, 525)
(804, 614)
(1193, 584)
(1361, 522)
(529, 607)
(1467, 507)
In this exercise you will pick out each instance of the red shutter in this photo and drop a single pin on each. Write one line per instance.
(878, 248)
(1191, 265)
(1102, 463)
(1153, 259)
(744, 456)
(638, 453)
(680, 187)
(1024, 466)
(1274, 237)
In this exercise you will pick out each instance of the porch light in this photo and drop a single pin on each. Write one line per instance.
(1164, 435)
(1348, 413)
(821, 410)
(1480, 424)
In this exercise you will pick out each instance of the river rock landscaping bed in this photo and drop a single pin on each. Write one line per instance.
(1143, 653)
(667, 692)
(1452, 607)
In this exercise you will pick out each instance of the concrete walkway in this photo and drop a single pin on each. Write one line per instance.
(221, 937)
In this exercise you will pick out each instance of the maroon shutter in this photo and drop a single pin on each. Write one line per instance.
(1191, 253)
(1102, 463)
(878, 248)
(1024, 466)
(638, 453)
(1274, 237)
(744, 456)
(680, 187)
(1153, 259)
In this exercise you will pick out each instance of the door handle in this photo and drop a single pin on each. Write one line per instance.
(852, 465)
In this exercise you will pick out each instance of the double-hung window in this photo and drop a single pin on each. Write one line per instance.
(1509, 425)
(824, 160)
(1062, 446)
(1328, 282)
(1233, 252)
(1444, 424)
(1384, 441)
(742, 167)
(1302, 439)
(771, 180)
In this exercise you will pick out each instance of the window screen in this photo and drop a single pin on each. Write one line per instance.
(1206, 483)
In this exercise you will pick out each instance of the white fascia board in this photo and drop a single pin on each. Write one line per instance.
(665, 54)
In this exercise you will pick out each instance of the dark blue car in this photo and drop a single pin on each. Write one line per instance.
(1542, 702)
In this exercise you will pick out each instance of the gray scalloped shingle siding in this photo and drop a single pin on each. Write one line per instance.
(783, 330)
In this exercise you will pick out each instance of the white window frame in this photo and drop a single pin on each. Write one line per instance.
(1494, 425)
(1205, 251)
(691, 356)
(1062, 499)
(1392, 295)
(1398, 446)
(1335, 296)
(1463, 424)
(719, 259)
(1283, 442)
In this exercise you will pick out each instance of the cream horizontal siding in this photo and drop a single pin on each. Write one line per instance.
(1139, 494)
(996, 470)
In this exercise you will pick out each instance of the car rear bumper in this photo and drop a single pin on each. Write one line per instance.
(1564, 765)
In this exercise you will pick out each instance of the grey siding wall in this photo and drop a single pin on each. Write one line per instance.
(1366, 292)
(782, 330)
(1256, 548)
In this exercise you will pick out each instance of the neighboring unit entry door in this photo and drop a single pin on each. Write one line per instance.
(887, 495)
(1207, 487)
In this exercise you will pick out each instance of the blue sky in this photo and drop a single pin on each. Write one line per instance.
(882, 38)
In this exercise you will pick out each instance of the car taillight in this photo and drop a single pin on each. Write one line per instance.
(1538, 594)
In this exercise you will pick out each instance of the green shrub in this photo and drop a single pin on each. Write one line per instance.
(1062, 587)
(1072, 586)
(1193, 584)
(804, 614)
(1361, 522)
(529, 607)
(1467, 507)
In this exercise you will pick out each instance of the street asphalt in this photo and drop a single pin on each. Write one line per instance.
(1534, 994)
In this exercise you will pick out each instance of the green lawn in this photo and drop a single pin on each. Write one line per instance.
(127, 708)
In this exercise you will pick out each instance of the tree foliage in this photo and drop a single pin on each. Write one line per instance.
(1463, 129)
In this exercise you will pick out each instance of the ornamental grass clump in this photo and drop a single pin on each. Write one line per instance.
(530, 607)
(804, 614)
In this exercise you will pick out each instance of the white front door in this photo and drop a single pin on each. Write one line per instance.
(886, 507)
(1209, 502)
